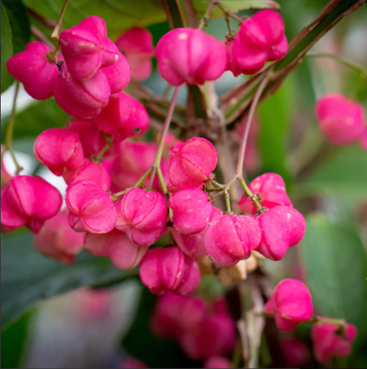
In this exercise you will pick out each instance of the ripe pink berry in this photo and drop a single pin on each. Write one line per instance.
(190, 55)
(142, 215)
(340, 119)
(216, 335)
(260, 39)
(271, 189)
(91, 208)
(290, 304)
(89, 171)
(86, 48)
(132, 363)
(217, 362)
(169, 269)
(281, 227)
(81, 99)
(137, 44)
(191, 163)
(175, 314)
(118, 74)
(59, 150)
(126, 170)
(192, 211)
(58, 240)
(123, 117)
(295, 352)
(363, 139)
(34, 70)
(193, 245)
(123, 253)
(29, 201)
(329, 344)
(93, 141)
(231, 239)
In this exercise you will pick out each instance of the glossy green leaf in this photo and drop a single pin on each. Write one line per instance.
(28, 277)
(6, 48)
(335, 262)
(276, 115)
(342, 173)
(13, 341)
(19, 23)
(33, 120)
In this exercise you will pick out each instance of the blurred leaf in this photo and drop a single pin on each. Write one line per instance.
(41, 115)
(143, 344)
(6, 49)
(19, 23)
(235, 6)
(28, 277)
(335, 261)
(13, 342)
(276, 114)
(344, 173)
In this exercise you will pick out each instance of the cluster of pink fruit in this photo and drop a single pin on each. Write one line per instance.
(96, 160)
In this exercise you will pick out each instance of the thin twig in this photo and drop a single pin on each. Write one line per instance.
(38, 34)
(40, 18)
(56, 32)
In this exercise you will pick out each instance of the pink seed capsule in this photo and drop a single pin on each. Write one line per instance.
(33, 68)
(123, 117)
(191, 163)
(142, 215)
(126, 170)
(137, 44)
(28, 201)
(260, 39)
(190, 55)
(58, 240)
(192, 211)
(89, 171)
(363, 139)
(81, 99)
(60, 150)
(86, 48)
(169, 269)
(231, 239)
(91, 208)
(340, 120)
(216, 335)
(295, 352)
(290, 304)
(271, 189)
(174, 315)
(118, 74)
(92, 140)
(193, 245)
(281, 227)
(123, 253)
(217, 362)
(329, 344)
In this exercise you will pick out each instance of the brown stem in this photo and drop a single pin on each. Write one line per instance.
(38, 34)
(40, 18)
(205, 19)
(56, 32)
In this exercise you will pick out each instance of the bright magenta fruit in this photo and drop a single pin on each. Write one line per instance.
(271, 189)
(169, 269)
(217, 362)
(190, 55)
(91, 208)
(33, 68)
(28, 201)
(290, 304)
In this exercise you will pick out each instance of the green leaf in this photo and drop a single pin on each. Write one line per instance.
(6, 49)
(28, 277)
(335, 261)
(343, 173)
(235, 6)
(33, 120)
(19, 23)
(143, 344)
(276, 115)
(13, 342)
